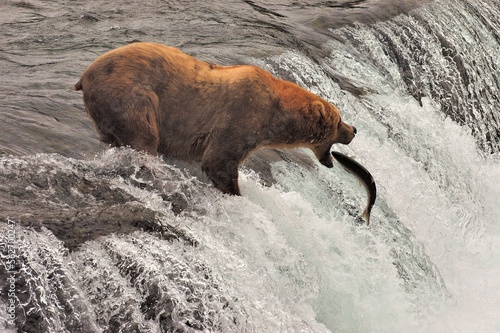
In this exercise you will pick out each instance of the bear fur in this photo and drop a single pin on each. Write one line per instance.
(157, 99)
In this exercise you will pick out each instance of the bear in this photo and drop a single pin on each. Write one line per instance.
(157, 99)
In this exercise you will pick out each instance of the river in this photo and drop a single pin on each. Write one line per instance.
(98, 239)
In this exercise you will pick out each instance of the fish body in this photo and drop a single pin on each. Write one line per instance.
(364, 176)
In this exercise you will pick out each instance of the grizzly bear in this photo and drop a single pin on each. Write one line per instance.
(157, 99)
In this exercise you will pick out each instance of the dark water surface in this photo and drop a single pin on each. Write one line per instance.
(46, 45)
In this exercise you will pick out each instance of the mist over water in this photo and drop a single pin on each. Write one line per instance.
(111, 240)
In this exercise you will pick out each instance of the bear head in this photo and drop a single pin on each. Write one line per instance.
(332, 128)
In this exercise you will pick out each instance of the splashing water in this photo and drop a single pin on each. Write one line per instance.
(291, 257)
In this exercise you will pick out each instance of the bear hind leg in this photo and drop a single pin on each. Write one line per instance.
(145, 134)
(139, 128)
(110, 139)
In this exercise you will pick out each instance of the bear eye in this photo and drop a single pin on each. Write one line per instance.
(340, 122)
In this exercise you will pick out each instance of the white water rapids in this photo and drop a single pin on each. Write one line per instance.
(295, 257)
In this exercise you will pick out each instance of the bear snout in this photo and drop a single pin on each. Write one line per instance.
(346, 133)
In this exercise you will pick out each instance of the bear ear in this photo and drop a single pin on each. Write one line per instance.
(318, 109)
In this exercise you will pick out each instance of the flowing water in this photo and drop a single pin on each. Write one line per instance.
(111, 240)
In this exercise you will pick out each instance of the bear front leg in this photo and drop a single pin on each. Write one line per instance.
(222, 169)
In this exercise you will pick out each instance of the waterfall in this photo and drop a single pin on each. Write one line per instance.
(161, 251)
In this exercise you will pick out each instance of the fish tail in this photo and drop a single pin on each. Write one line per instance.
(366, 216)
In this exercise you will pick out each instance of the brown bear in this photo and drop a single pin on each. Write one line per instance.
(157, 99)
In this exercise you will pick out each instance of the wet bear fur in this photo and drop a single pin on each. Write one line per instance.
(157, 99)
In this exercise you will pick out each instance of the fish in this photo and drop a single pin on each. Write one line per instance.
(364, 177)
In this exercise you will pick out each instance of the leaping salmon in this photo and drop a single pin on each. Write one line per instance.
(363, 176)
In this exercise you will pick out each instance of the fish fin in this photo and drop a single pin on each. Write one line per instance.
(366, 216)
